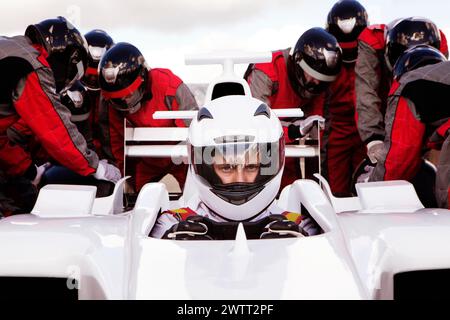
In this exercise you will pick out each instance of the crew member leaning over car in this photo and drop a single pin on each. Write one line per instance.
(34, 68)
(379, 47)
(418, 118)
(298, 80)
(342, 148)
(131, 90)
(98, 43)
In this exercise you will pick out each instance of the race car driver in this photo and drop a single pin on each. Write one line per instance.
(236, 163)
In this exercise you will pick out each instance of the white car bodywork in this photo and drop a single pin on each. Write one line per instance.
(366, 241)
(112, 256)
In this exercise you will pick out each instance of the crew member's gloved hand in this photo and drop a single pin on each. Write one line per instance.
(193, 228)
(307, 124)
(34, 173)
(106, 171)
(375, 150)
(366, 175)
(281, 227)
(40, 172)
(301, 128)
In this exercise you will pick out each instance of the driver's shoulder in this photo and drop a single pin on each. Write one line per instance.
(295, 217)
(190, 208)
(180, 214)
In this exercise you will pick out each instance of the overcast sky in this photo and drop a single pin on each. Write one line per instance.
(166, 30)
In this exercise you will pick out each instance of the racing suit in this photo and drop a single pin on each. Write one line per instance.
(373, 81)
(29, 95)
(94, 123)
(418, 118)
(196, 207)
(168, 92)
(270, 83)
(342, 149)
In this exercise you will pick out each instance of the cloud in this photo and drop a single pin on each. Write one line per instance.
(253, 40)
(157, 15)
(166, 30)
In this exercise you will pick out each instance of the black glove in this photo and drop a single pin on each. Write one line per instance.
(194, 228)
(281, 227)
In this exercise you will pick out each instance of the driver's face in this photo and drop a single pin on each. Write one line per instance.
(231, 172)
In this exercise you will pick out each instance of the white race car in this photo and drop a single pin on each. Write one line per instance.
(381, 244)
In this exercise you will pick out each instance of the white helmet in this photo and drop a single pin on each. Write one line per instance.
(236, 156)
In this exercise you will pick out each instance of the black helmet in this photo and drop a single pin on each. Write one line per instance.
(317, 53)
(345, 21)
(407, 33)
(98, 43)
(76, 99)
(123, 76)
(66, 48)
(416, 57)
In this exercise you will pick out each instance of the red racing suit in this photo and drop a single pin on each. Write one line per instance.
(29, 101)
(373, 81)
(168, 93)
(270, 83)
(418, 118)
(94, 122)
(342, 149)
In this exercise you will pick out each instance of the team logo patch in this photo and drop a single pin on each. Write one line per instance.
(181, 214)
(294, 217)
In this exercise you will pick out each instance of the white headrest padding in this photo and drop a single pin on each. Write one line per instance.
(388, 196)
(64, 201)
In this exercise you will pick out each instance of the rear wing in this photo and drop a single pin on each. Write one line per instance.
(228, 83)
(140, 143)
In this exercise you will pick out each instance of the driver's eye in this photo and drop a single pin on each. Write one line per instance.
(252, 167)
(226, 168)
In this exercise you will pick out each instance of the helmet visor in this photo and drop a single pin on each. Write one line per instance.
(67, 68)
(96, 53)
(237, 171)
